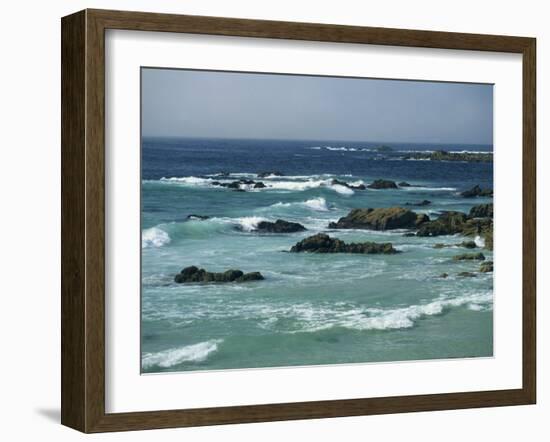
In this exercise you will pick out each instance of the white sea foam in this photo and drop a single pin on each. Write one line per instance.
(343, 190)
(318, 204)
(189, 180)
(480, 242)
(249, 223)
(154, 237)
(431, 189)
(174, 356)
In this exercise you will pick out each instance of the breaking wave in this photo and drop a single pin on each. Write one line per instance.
(174, 356)
(154, 237)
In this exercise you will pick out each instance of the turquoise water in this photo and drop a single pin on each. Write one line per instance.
(310, 309)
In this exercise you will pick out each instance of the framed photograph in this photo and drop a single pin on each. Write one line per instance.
(269, 220)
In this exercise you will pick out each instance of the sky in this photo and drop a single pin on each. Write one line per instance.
(209, 104)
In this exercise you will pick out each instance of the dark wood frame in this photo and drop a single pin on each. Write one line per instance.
(83, 220)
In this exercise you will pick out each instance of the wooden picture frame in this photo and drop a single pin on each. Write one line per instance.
(83, 220)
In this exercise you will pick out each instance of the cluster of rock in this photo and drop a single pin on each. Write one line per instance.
(380, 219)
(469, 257)
(485, 267)
(443, 155)
(322, 243)
(193, 274)
(237, 184)
(465, 244)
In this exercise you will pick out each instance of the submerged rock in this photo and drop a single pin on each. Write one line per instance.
(194, 217)
(380, 219)
(279, 226)
(482, 211)
(465, 244)
(486, 267)
(194, 274)
(322, 243)
(476, 191)
(419, 203)
(467, 275)
(444, 275)
(469, 257)
(403, 184)
(382, 184)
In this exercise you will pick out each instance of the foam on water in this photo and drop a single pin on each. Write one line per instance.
(174, 356)
(318, 204)
(154, 237)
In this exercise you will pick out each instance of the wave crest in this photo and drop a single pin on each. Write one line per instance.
(154, 237)
(174, 356)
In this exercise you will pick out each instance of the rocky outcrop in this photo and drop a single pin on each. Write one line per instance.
(348, 185)
(448, 223)
(380, 219)
(470, 257)
(476, 191)
(279, 226)
(382, 184)
(322, 243)
(482, 211)
(486, 267)
(442, 155)
(195, 275)
(259, 185)
(465, 244)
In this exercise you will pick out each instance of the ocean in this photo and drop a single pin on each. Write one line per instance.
(310, 309)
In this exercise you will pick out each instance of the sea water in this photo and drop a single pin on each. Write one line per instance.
(311, 308)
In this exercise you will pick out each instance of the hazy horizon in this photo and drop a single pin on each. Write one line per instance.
(234, 105)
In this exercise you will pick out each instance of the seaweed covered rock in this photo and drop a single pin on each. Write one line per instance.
(193, 274)
(476, 191)
(279, 226)
(482, 211)
(382, 184)
(379, 219)
(322, 243)
(469, 257)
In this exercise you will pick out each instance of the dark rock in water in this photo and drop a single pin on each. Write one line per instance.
(465, 244)
(444, 275)
(467, 275)
(403, 184)
(448, 223)
(409, 234)
(259, 185)
(273, 173)
(349, 186)
(322, 243)
(194, 274)
(379, 219)
(469, 257)
(194, 217)
(482, 211)
(382, 184)
(488, 237)
(419, 203)
(252, 276)
(486, 267)
(442, 155)
(421, 218)
(233, 185)
(279, 226)
(247, 182)
(476, 191)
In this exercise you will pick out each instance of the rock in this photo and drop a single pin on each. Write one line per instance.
(247, 182)
(382, 184)
(469, 257)
(442, 155)
(419, 203)
(444, 275)
(270, 173)
(349, 186)
(259, 185)
(476, 191)
(486, 267)
(322, 243)
(448, 223)
(482, 211)
(421, 218)
(465, 244)
(477, 226)
(194, 217)
(252, 276)
(377, 219)
(357, 187)
(403, 184)
(279, 226)
(409, 234)
(233, 185)
(467, 275)
(194, 274)
(488, 237)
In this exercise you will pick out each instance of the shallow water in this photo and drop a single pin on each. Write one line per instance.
(310, 309)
